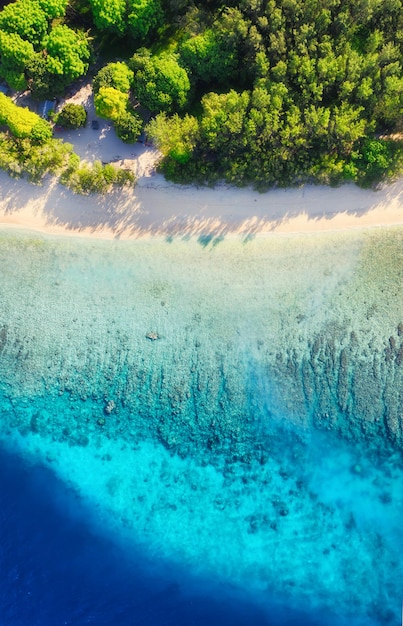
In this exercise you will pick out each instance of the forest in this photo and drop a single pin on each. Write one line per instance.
(260, 92)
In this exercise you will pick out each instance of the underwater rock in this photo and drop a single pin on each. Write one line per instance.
(110, 406)
(153, 336)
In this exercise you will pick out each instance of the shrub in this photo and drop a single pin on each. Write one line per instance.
(71, 116)
(128, 127)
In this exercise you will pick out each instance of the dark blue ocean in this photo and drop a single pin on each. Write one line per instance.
(56, 569)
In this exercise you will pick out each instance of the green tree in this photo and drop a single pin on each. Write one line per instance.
(53, 8)
(208, 58)
(26, 18)
(71, 116)
(15, 54)
(128, 126)
(22, 122)
(67, 52)
(160, 83)
(389, 107)
(117, 75)
(176, 137)
(223, 119)
(346, 126)
(109, 15)
(110, 103)
(41, 131)
(143, 16)
(41, 82)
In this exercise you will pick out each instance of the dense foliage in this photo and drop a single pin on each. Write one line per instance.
(111, 88)
(38, 52)
(135, 18)
(253, 91)
(22, 122)
(29, 149)
(71, 116)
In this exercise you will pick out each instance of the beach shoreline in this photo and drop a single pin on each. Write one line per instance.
(156, 207)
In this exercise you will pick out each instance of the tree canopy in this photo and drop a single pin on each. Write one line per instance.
(117, 75)
(22, 122)
(160, 83)
(25, 18)
(264, 92)
(110, 103)
(71, 116)
(134, 17)
(67, 52)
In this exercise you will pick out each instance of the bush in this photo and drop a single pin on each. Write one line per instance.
(71, 116)
(128, 127)
(95, 178)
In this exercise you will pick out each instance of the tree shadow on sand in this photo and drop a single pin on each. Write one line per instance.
(158, 208)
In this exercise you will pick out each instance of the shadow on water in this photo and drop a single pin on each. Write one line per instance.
(56, 569)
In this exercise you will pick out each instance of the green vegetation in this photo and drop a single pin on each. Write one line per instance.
(71, 116)
(136, 18)
(128, 126)
(111, 97)
(39, 52)
(29, 149)
(263, 92)
(22, 157)
(22, 122)
(160, 83)
(87, 178)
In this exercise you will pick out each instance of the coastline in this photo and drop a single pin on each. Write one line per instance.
(156, 207)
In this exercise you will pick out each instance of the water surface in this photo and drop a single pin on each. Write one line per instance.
(244, 467)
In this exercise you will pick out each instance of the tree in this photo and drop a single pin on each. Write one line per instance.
(208, 58)
(53, 8)
(160, 84)
(143, 16)
(110, 103)
(41, 82)
(41, 131)
(222, 124)
(109, 15)
(117, 75)
(346, 126)
(15, 54)
(22, 122)
(67, 52)
(176, 137)
(71, 116)
(128, 126)
(26, 18)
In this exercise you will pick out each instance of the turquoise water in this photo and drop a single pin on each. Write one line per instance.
(256, 444)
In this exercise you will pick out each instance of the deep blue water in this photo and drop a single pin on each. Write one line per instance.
(56, 568)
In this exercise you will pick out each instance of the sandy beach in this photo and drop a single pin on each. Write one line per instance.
(156, 207)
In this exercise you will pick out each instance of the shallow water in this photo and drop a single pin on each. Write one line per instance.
(243, 468)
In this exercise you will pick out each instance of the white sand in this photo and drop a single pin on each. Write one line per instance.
(156, 207)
